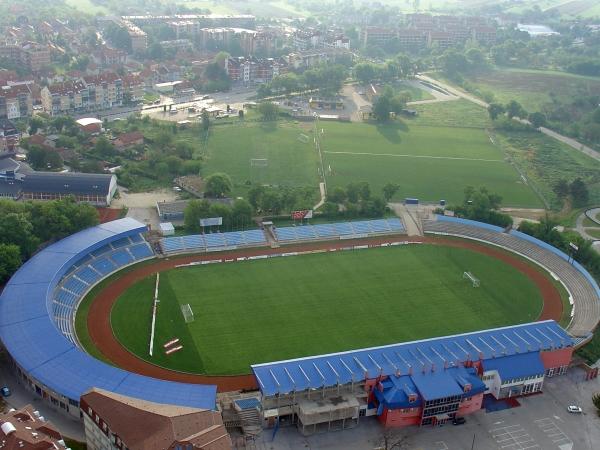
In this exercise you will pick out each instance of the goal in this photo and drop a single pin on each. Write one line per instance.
(469, 276)
(188, 315)
(303, 138)
(259, 162)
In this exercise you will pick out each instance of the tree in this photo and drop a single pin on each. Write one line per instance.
(365, 72)
(537, 119)
(194, 211)
(156, 51)
(596, 402)
(36, 123)
(241, 214)
(389, 190)
(268, 110)
(337, 195)
(561, 188)
(514, 109)
(104, 148)
(255, 194)
(205, 120)
(330, 209)
(579, 192)
(15, 228)
(353, 192)
(453, 62)
(393, 439)
(382, 108)
(218, 185)
(495, 110)
(10, 261)
(223, 211)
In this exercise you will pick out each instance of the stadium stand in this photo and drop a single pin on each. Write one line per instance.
(37, 308)
(212, 241)
(339, 230)
(582, 288)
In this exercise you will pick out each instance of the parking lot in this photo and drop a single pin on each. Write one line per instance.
(540, 422)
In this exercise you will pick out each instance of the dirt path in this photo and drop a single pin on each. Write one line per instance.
(100, 330)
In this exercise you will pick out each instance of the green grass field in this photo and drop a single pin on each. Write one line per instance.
(265, 310)
(291, 161)
(534, 88)
(430, 163)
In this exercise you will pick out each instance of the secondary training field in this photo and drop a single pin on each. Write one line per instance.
(431, 163)
(288, 149)
(265, 310)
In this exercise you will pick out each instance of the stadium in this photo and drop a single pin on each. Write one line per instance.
(427, 381)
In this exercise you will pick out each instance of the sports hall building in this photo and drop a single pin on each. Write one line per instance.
(424, 382)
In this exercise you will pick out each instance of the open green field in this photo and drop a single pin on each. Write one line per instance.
(431, 163)
(265, 310)
(290, 161)
(88, 6)
(534, 88)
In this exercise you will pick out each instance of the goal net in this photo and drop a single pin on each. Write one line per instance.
(188, 315)
(303, 138)
(469, 276)
(259, 162)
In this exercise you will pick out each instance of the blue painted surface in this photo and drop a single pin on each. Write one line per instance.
(34, 339)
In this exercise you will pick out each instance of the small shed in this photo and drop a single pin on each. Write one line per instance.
(167, 229)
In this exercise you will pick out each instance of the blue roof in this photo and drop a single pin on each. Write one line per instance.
(36, 344)
(516, 366)
(397, 359)
(396, 391)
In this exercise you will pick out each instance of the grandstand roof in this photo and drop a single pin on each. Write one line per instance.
(68, 183)
(516, 366)
(428, 356)
(36, 344)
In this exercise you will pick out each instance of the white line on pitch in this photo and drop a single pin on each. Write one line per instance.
(458, 158)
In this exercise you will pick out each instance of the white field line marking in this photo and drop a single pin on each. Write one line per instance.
(456, 158)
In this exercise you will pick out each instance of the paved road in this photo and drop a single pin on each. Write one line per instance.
(553, 134)
(581, 229)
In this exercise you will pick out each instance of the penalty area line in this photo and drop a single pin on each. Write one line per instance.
(457, 158)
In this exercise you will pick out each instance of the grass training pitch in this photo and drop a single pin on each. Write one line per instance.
(265, 310)
(431, 163)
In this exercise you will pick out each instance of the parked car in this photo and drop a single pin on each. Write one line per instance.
(574, 409)
(5, 391)
(459, 421)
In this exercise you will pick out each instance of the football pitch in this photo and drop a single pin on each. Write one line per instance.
(271, 309)
(428, 162)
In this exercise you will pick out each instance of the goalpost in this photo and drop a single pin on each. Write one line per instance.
(469, 276)
(259, 162)
(188, 314)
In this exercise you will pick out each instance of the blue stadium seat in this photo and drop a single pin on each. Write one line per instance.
(325, 230)
(306, 232)
(172, 244)
(214, 240)
(141, 251)
(83, 261)
(103, 265)
(287, 234)
(395, 224)
(234, 238)
(100, 251)
(75, 286)
(123, 242)
(87, 275)
(121, 258)
(136, 238)
(343, 228)
(194, 241)
(254, 237)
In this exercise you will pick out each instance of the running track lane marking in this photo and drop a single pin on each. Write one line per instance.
(457, 158)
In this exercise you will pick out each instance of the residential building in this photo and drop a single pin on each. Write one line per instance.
(114, 421)
(16, 100)
(89, 93)
(134, 88)
(108, 57)
(412, 38)
(311, 58)
(129, 139)
(377, 35)
(9, 135)
(198, 21)
(31, 55)
(306, 39)
(139, 38)
(441, 39)
(26, 429)
(178, 44)
(254, 70)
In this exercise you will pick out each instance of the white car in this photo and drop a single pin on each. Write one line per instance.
(575, 409)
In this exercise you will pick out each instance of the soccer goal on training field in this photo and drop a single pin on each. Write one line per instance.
(187, 312)
(259, 162)
(474, 280)
(303, 138)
